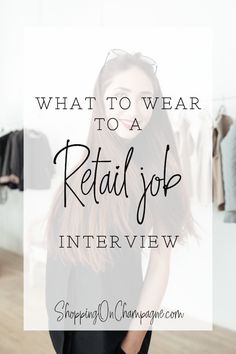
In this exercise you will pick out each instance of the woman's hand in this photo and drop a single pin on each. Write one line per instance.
(132, 342)
(130, 349)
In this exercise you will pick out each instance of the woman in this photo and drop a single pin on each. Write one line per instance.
(138, 137)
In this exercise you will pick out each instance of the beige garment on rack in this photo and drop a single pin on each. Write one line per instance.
(221, 128)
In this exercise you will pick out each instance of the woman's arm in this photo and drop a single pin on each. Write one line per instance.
(153, 290)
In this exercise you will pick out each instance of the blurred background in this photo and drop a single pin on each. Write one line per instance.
(15, 15)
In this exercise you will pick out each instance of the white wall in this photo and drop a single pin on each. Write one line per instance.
(218, 15)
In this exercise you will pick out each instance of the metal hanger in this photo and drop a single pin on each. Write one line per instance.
(222, 109)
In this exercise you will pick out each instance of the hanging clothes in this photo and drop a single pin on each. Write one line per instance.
(3, 145)
(222, 125)
(10, 171)
(38, 168)
(228, 149)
